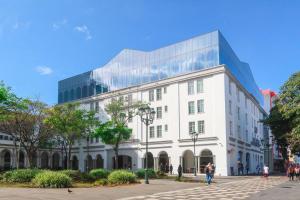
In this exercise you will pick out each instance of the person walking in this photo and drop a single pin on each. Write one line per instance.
(208, 170)
(291, 172)
(266, 171)
(297, 172)
(247, 169)
(242, 168)
(179, 170)
(171, 169)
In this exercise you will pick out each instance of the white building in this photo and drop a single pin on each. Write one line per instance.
(195, 85)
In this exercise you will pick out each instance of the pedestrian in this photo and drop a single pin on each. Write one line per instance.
(208, 170)
(291, 172)
(179, 170)
(239, 168)
(266, 171)
(171, 169)
(297, 172)
(167, 168)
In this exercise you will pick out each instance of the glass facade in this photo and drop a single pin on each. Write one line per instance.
(133, 67)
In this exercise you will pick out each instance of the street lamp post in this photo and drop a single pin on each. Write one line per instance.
(266, 145)
(147, 115)
(194, 136)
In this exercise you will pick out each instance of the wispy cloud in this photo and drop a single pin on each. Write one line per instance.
(21, 24)
(59, 24)
(44, 70)
(84, 29)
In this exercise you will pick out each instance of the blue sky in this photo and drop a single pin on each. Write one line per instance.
(42, 42)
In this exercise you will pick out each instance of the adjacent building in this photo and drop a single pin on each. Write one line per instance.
(195, 85)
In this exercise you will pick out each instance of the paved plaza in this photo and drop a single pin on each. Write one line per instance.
(240, 189)
(249, 188)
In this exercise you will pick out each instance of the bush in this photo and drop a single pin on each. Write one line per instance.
(160, 173)
(49, 179)
(20, 175)
(73, 174)
(121, 177)
(101, 182)
(99, 173)
(141, 173)
(86, 177)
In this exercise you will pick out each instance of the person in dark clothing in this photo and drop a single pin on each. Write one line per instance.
(242, 168)
(171, 169)
(179, 170)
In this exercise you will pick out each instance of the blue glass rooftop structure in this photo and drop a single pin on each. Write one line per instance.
(134, 67)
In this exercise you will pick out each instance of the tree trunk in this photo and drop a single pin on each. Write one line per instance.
(116, 149)
(69, 156)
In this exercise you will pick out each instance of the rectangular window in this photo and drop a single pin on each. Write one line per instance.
(166, 127)
(158, 94)
(159, 131)
(230, 107)
(201, 127)
(191, 107)
(200, 106)
(246, 105)
(229, 87)
(191, 127)
(165, 90)
(200, 86)
(166, 108)
(97, 106)
(238, 94)
(239, 131)
(246, 118)
(247, 136)
(238, 113)
(151, 131)
(151, 95)
(230, 128)
(158, 112)
(190, 87)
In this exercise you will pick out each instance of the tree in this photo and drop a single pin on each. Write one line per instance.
(115, 131)
(24, 123)
(7, 100)
(70, 123)
(284, 118)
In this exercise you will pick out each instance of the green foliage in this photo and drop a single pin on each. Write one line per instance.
(284, 118)
(160, 173)
(73, 174)
(20, 175)
(121, 177)
(111, 133)
(141, 173)
(99, 173)
(101, 182)
(50, 179)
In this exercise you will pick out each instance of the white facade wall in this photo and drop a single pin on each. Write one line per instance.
(176, 142)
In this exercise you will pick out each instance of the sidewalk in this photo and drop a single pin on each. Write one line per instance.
(100, 193)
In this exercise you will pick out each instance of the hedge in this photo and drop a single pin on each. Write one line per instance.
(73, 174)
(141, 173)
(49, 179)
(121, 177)
(20, 175)
(99, 173)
